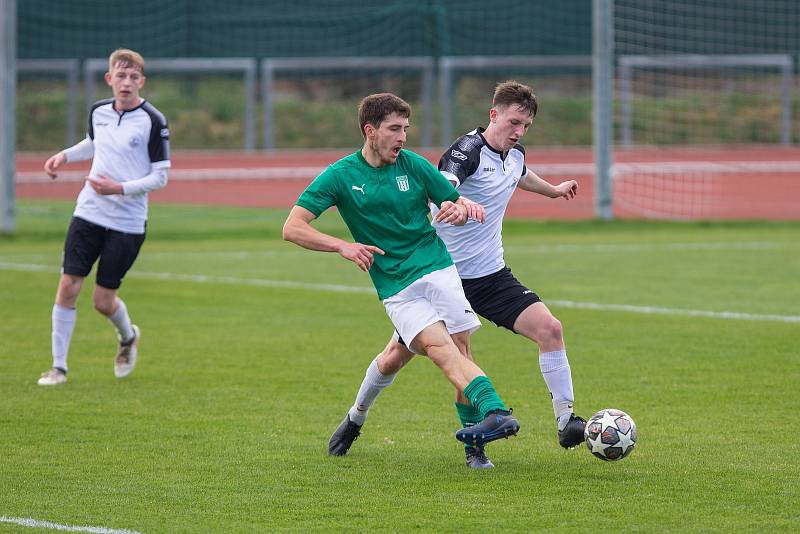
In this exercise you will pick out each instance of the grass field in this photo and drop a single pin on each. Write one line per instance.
(253, 350)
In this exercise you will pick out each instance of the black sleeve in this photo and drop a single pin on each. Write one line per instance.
(462, 159)
(90, 131)
(158, 145)
(524, 167)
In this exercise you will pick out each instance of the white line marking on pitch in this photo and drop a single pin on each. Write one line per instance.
(201, 278)
(521, 249)
(36, 523)
(638, 247)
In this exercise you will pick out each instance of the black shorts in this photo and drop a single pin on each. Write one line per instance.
(499, 297)
(87, 241)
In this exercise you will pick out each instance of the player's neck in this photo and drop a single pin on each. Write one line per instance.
(128, 106)
(372, 157)
(490, 137)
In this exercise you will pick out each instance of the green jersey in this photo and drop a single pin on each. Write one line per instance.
(387, 207)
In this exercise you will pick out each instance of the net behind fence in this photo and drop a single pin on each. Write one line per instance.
(699, 74)
(706, 72)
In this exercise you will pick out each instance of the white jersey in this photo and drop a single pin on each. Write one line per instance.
(481, 174)
(128, 146)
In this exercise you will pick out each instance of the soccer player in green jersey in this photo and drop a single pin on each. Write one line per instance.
(382, 193)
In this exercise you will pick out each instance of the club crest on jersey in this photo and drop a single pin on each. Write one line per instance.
(402, 182)
(134, 141)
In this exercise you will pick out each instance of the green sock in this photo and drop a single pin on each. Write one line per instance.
(468, 416)
(483, 397)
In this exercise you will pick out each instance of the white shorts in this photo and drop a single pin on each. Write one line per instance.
(437, 296)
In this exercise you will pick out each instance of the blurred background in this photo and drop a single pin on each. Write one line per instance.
(661, 108)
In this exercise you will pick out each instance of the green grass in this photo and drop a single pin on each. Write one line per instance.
(224, 425)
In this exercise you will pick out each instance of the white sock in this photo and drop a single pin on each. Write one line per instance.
(122, 321)
(556, 372)
(373, 384)
(63, 325)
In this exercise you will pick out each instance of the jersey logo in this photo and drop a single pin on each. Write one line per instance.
(489, 169)
(402, 182)
(134, 141)
(165, 133)
(458, 155)
(356, 188)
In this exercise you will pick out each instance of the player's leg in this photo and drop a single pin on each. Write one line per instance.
(502, 299)
(497, 421)
(538, 324)
(82, 246)
(380, 374)
(119, 252)
(447, 295)
(468, 415)
(416, 313)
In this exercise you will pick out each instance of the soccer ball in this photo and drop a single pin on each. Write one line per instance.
(610, 434)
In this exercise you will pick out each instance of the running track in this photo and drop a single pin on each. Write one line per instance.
(710, 183)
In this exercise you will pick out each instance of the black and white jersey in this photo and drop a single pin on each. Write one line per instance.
(481, 174)
(130, 147)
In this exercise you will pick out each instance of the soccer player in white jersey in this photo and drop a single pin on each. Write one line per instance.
(128, 143)
(487, 166)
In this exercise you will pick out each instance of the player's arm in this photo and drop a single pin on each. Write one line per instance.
(299, 231)
(105, 185)
(158, 152)
(533, 183)
(80, 152)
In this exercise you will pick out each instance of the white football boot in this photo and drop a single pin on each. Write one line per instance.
(126, 355)
(52, 377)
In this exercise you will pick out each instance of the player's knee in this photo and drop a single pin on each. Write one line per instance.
(68, 290)
(549, 332)
(441, 351)
(553, 330)
(393, 358)
(103, 305)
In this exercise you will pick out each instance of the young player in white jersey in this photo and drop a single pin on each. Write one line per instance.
(487, 166)
(128, 143)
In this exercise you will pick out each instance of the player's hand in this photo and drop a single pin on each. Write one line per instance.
(475, 211)
(567, 189)
(451, 213)
(104, 185)
(53, 163)
(361, 255)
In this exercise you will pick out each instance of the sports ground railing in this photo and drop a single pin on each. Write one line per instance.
(447, 67)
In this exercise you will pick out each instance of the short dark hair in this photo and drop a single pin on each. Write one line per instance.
(514, 93)
(374, 109)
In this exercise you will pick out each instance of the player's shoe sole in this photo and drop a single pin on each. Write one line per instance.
(497, 425)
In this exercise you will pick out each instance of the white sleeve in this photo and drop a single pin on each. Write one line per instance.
(155, 180)
(81, 151)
